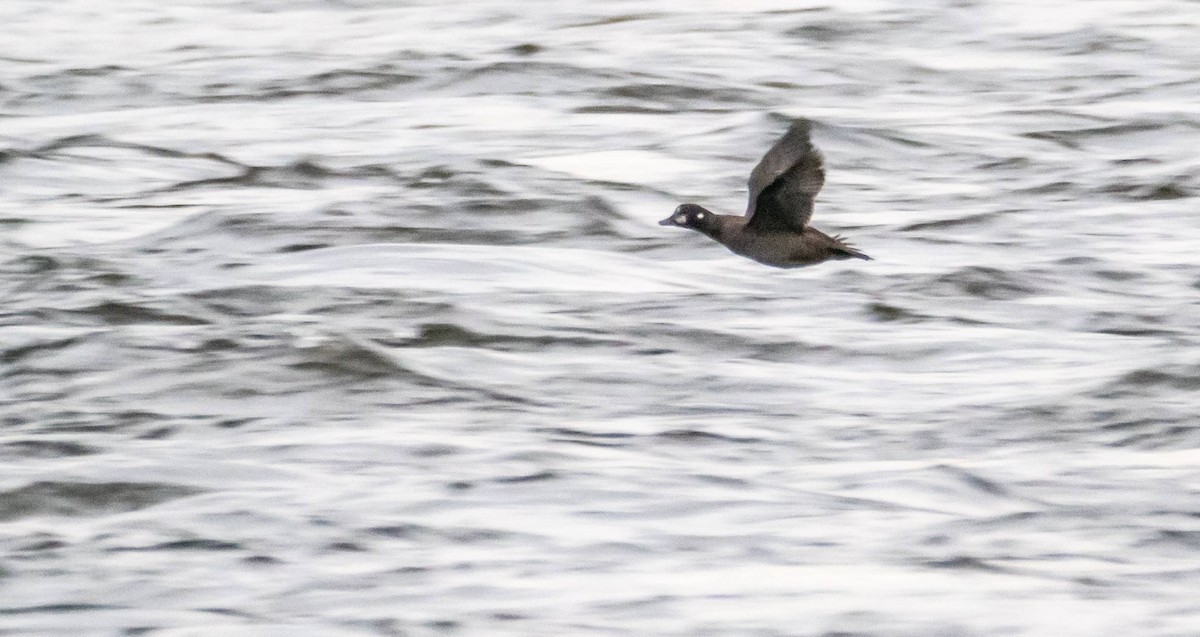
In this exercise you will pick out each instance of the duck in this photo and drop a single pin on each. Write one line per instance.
(775, 230)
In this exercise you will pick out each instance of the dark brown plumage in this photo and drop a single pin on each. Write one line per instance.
(775, 231)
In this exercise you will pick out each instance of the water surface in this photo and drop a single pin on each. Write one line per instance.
(354, 319)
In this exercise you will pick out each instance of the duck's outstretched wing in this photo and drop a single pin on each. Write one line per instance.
(784, 185)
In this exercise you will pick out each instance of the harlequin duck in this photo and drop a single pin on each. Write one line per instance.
(775, 230)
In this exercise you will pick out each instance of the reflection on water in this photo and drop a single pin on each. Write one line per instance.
(383, 339)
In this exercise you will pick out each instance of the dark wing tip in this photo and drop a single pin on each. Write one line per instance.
(786, 152)
(801, 126)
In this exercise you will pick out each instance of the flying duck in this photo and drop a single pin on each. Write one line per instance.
(775, 231)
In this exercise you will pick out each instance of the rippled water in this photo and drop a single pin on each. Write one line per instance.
(353, 318)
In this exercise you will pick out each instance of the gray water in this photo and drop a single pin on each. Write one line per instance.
(353, 318)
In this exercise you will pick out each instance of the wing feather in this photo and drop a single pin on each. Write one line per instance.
(784, 185)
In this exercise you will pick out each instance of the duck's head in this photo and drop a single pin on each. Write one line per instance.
(692, 217)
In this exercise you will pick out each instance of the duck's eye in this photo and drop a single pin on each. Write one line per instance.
(699, 215)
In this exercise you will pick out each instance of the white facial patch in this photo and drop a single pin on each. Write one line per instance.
(679, 219)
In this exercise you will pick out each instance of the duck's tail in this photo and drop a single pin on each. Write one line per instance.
(846, 248)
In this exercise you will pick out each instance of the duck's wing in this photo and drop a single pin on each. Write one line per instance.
(784, 185)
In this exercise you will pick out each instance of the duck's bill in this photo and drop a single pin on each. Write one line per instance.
(666, 222)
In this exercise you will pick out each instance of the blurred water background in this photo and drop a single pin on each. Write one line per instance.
(352, 318)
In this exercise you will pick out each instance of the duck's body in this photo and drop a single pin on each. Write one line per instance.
(780, 249)
(775, 230)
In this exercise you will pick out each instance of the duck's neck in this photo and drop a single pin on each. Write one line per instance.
(725, 226)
